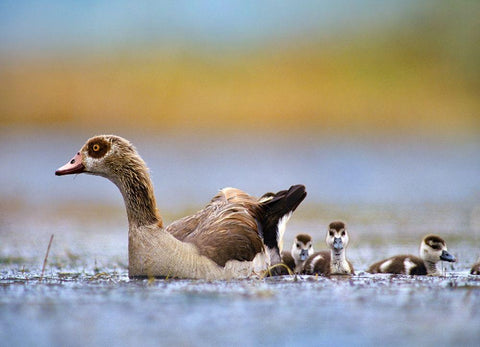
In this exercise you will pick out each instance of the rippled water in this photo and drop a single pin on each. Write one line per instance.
(389, 195)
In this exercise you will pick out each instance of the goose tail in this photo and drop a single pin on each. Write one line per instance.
(277, 208)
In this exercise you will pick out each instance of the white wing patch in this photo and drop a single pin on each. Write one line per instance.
(316, 259)
(385, 265)
(281, 226)
(408, 265)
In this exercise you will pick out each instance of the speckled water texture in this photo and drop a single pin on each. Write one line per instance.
(78, 309)
(86, 297)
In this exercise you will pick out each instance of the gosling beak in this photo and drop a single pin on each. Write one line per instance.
(74, 166)
(304, 254)
(447, 257)
(337, 244)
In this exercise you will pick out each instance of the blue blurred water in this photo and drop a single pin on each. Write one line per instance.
(188, 171)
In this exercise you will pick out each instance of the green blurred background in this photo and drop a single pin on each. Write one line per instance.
(369, 68)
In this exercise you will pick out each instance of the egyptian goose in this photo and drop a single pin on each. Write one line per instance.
(234, 236)
(302, 248)
(475, 268)
(334, 261)
(432, 250)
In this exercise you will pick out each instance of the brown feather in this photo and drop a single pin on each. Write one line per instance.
(231, 224)
(337, 225)
(475, 269)
(397, 266)
(318, 266)
(305, 238)
(288, 260)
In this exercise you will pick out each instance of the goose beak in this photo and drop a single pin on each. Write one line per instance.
(304, 254)
(337, 244)
(74, 166)
(447, 257)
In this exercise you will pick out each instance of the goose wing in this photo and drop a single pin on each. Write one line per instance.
(227, 228)
(237, 226)
(187, 227)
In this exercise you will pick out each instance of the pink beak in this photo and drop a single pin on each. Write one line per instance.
(74, 166)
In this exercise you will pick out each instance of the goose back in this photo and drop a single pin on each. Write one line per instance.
(400, 264)
(240, 223)
(318, 263)
(475, 270)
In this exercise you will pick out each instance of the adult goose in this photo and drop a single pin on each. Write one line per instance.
(234, 236)
(333, 261)
(432, 250)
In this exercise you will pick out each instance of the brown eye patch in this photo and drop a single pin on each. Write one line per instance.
(98, 148)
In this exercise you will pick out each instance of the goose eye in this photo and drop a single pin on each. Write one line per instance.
(96, 147)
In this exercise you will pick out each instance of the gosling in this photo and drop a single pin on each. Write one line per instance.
(302, 248)
(334, 261)
(432, 250)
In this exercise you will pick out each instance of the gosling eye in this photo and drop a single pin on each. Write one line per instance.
(343, 233)
(298, 245)
(331, 233)
(310, 246)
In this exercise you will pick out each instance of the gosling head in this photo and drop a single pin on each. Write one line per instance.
(337, 237)
(102, 155)
(302, 248)
(434, 249)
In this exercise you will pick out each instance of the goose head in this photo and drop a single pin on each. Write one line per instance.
(102, 155)
(337, 237)
(434, 249)
(115, 158)
(302, 248)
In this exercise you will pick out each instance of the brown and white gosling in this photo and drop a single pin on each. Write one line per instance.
(302, 248)
(234, 236)
(475, 268)
(334, 261)
(432, 250)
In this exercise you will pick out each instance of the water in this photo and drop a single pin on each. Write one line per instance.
(363, 310)
(188, 170)
(390, 195)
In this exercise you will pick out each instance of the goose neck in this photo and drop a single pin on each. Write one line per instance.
(137, 191)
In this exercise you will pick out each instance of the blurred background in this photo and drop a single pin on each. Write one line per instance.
(373, 105)
(335, 68)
